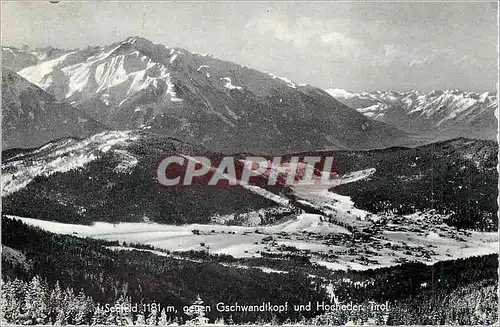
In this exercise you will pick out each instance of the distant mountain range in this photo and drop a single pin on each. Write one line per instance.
(31, 117)
(139, 85)
(16, 59)
(203, 100)
(437, 114)
(226, 107)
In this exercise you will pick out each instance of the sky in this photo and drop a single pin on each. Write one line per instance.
(354, 46)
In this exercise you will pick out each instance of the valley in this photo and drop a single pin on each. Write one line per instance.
(421, 237)
(407, 219)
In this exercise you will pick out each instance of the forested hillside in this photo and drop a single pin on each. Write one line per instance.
(457, 178)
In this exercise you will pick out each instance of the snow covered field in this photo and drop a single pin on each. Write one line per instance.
(237, 241)
(324, 243)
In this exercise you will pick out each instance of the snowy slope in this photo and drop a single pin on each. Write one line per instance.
(64, 156)
(15, 59)
(112, 176)
(413, 239)
(31, 117)
(201, 99)
(443, 114)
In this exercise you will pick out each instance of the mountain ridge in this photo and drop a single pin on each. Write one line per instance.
(444, 114)
(201, 99)
(116, 167)
(31, 117)
(113, 175)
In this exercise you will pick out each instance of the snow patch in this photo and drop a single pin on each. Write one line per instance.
(63, 156)
(287, 81)
(339, 93)
(36, 74)
(227, 83)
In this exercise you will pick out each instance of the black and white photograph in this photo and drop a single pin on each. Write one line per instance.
(169, 163)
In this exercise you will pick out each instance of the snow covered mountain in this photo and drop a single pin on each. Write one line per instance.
(32, 117)
(439, 114)
(203, 100)
(16, 59)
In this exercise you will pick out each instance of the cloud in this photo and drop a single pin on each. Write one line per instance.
(303, 32)
(337, 39)
(360, 53)
(328, 40)
(422, 55)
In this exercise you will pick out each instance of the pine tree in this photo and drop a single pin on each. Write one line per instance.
(12, 297)
(82, 309)
(90, 308)
(70, 306)
(163, 321)
(274, 320)
(55, 303)
(35, 303)
(99, 316)
(111, 318)
(196, 313)
(139, 320)
(121, 315)
(152, 316)
(219, 321)
(125, 312)
(61, 318)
